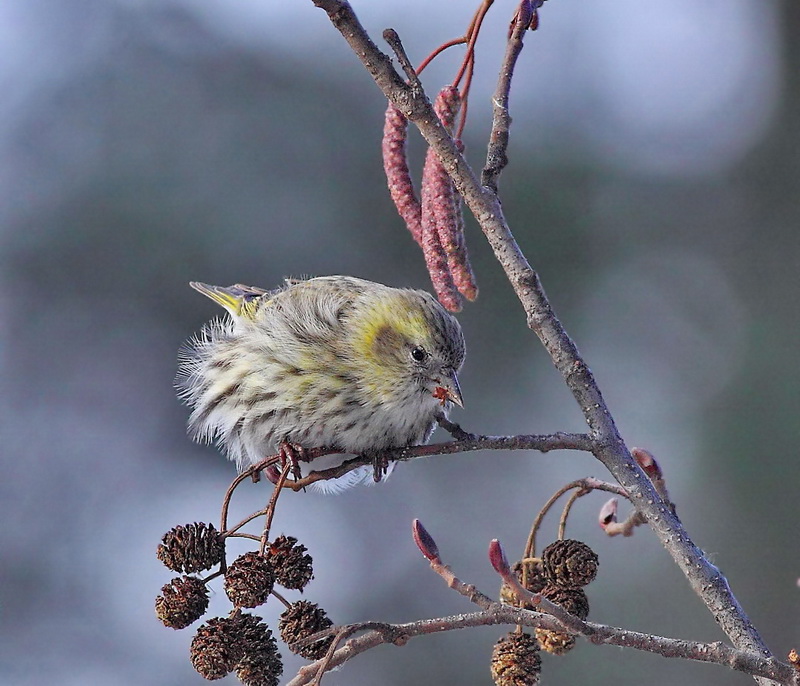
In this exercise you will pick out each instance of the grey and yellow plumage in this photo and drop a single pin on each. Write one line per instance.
(333, 362)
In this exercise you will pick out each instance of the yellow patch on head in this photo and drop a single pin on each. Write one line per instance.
(387, 321)
(382, 333)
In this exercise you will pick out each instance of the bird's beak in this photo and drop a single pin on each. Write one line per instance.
(450, 390)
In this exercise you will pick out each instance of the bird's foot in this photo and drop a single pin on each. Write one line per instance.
(380, 466)
(290, 454)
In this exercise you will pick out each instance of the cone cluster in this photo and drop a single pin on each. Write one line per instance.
(241, 642)
(565, 567)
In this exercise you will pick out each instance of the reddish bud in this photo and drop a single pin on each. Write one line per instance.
(647, 462)
(424, 540)
(608, 513)
(497, 557)
(446, 106)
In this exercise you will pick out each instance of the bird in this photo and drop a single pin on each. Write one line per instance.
(333, 362)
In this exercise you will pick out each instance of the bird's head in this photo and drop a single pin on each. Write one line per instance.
(410, 344)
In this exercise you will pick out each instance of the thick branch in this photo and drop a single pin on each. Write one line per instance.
(706, 580)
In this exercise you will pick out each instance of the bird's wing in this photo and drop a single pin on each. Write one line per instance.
(239, 300)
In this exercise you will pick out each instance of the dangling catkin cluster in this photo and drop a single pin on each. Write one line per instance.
(436, 221)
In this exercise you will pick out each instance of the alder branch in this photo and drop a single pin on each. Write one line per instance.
(466, 443)
(496, 613)
(704, 578)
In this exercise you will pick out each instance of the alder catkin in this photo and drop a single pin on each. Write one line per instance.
(398, 176)
(446, 202)
(434, 201)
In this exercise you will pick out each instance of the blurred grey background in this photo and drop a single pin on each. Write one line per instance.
(654, 182)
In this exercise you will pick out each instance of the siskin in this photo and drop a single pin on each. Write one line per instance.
(332, 362)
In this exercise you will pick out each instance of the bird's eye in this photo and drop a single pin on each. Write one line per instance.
(419, 354)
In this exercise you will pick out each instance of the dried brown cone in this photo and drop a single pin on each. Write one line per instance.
(573, 600)
(301, 620)
(191, 548)
(516, 660)
(398, 176)
(534, 581)
(216, 648)
(555, 642)
(182, 601)
(569, 563)
(249, 580)
(291, 562)
(261, 664)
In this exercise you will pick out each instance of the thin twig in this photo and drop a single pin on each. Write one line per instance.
(226, 501)
(254, 515)
(251, 537)
(473, 33)
(439, 51)
(270, 509)
(588, 484)
(387, 631)
(562, 522)
(283, 600)
(391, 37)
(496, 156)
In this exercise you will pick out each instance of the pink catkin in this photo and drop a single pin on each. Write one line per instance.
(446, 203)
(435, 256)
(398, 176)
(459, 264)
(437, 209)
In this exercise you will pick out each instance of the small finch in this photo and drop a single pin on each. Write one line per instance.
(333, 362)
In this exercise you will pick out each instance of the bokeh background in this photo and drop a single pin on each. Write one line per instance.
(654, 182)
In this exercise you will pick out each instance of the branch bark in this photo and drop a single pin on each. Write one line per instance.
(467, 443)
(706, 580)
(498, 614)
